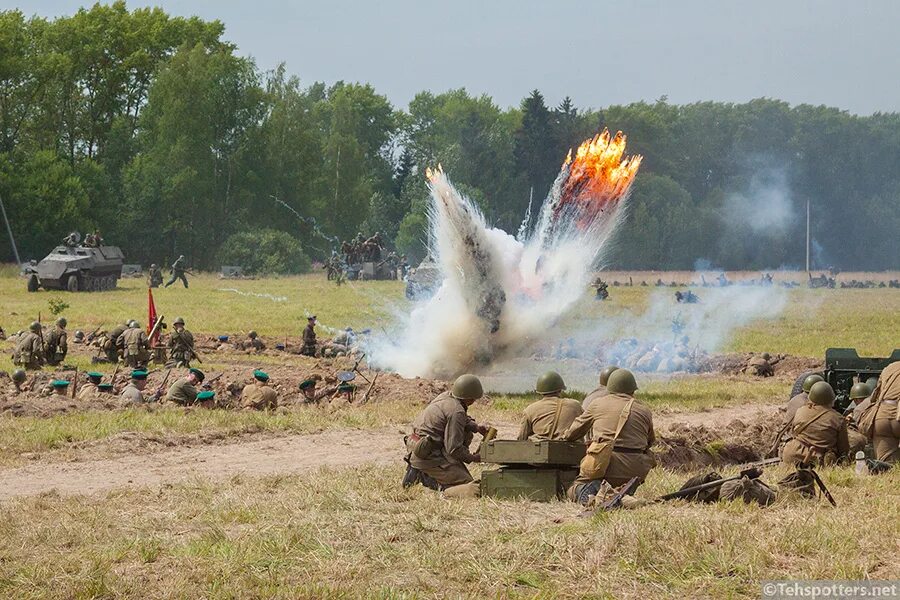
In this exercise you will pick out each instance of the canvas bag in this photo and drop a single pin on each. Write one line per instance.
(599, 453)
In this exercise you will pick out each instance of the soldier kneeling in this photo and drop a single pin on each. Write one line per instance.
(819, 432)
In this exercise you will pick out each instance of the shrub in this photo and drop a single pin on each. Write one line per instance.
(265, 252)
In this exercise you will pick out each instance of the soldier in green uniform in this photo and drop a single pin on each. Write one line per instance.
(155, 276)
(29, 352)
(549, 417)
(90, 389)
(309, 337)
(181, 344)
(111, 344)
(56, 345)
(178, 271)
(18, 377)
(135, 346)
(438, 447)
(184, 391)
(60, 387)
(258, 395)
(600, 391)
(819, 433)
(134, 391)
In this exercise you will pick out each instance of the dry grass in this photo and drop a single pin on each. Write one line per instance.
(356, 533)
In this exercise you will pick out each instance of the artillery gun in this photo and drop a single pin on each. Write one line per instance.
(77, 268)
(844, 367)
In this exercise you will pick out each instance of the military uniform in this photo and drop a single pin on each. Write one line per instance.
(182, 392)
(439, 444)
(56, 346)
(89, 391)
(309, 340)
(155, 277)
(178, 272)
(112, 344)
(597, 393)
(181, 347)
(29, 351)
(760, 367)
(886, 432)
(631, 456)
(819, 435)
(801, 399)
(259, 396)
(132, 394)
(548, 418)
(135, 347)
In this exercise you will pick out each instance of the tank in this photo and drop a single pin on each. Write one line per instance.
(77, 269)
(424, 280)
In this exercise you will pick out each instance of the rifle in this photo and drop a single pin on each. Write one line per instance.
(208, 384)
(751, 473)
(41, 333)
(115, 372)
(93, 334)
(75, 383)
(158, 393)
(369, 391)
(819, 483)
(616, 501)
(773, 451)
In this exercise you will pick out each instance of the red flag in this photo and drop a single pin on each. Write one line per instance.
(151, 317)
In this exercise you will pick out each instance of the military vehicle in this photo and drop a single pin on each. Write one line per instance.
(77, 268)
(844, 367)
(424, 280)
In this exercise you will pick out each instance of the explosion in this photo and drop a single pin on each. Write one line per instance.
(498, 293)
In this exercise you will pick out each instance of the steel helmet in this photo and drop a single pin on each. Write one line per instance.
(621, 381)
(605, 372)
(467, 387)
(19, 376)
(62, 322)
(178, 321)
(860, 390)
(811, 380)
(35, 327)
(821, 394)
(550, 383)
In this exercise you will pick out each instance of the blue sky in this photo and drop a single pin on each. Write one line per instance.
(837, 53)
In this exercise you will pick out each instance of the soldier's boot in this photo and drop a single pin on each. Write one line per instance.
(429, 482)
(411, 477)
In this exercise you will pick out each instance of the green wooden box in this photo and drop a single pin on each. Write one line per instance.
(539, 485)
(527, 452)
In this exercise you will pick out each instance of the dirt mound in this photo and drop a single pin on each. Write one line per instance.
(784, 365)
(687, 446)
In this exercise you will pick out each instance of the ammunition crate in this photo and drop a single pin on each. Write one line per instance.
(527, 452)
(539, 485)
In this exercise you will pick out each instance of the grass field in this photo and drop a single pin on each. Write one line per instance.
(348, 533)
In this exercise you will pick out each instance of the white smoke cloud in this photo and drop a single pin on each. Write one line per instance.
(765, 207)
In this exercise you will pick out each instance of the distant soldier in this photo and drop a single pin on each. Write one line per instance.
(309, 337)
(886, 432)
(56, 345)
(178, 271)
(802, 398)
(18, 378)
(341, 344)
(134, 391)
(184, 391)
(112, 343)
(253, 342)
(600, 391)
(181, 344)
(135, 346)
(312, 395)
(859, 392)
(2, 334)
(90, 389)
(258, 395)
(155, 276)
(760, 366)
(72, 240)
(60, 387)
(438, 447)
(549, 417)
(625, 423)
(29, 352)
(819, 433)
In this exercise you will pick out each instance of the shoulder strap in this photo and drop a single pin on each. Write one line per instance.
(623, 417)
(559, 403)
(803, 426)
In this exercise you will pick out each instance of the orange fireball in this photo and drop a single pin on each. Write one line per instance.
(598, 177)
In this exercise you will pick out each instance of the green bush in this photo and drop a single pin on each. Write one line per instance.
(265, 252)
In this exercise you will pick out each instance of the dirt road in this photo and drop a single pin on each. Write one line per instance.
(282, 455)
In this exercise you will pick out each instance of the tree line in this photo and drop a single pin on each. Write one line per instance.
(153, 129)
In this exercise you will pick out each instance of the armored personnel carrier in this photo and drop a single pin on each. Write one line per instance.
(78, 269)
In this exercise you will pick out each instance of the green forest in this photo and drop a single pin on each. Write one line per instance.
(155, 130)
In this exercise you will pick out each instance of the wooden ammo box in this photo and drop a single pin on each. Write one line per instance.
(540, 485)
(527, 452)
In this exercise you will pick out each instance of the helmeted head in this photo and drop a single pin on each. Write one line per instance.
(153, 265)
(811, 380)
(61, 322)
(252, 335)
(132, 324)
(621, 381)
(19, 376)
(79, 335)
(35, 327)
(821, 394)
(467, 388)
(860, 390)
(549, 383)
(179, 321)
(766, 356)
(605, 372)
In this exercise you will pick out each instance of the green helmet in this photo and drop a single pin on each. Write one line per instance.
(811, 380)
(872, 382)
(62, 322)
(766, 356)
(132, 324)
(860, 390)
(822, 394)
(550, 383)
(605, 372)
(19, 376)
(252, 335)
(621, 381)
(35, 327)
(178, 321)
(467, 387)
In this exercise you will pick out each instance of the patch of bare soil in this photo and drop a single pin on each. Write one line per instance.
(784, 365)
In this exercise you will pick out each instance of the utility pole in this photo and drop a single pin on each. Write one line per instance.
(10, 234)
(807, 235)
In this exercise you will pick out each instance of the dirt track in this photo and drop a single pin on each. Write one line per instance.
(281, 455)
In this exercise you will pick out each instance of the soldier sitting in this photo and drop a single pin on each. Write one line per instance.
(311, 395)
(90, 390)
(760, 366)
(549, 417)
(56, 346)
(819, 433)
(258, 395)
(29, 352)
(184, 391)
